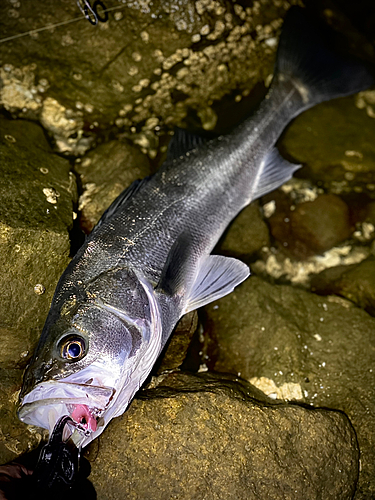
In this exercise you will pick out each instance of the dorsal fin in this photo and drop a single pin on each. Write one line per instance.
(122, 199)
(184, 141)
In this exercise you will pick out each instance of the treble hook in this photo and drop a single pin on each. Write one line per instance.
(91, 13)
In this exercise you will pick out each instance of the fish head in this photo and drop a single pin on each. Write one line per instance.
(97, 347)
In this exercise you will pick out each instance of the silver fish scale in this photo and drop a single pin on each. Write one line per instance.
(199, 193)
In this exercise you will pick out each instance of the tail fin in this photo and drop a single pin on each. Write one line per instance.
(305, 56)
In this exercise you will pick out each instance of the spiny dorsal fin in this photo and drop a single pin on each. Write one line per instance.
(184, 141)
(121, 200)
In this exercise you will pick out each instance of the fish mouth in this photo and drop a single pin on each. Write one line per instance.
(49, 401)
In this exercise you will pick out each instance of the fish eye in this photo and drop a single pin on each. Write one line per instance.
(73, 348)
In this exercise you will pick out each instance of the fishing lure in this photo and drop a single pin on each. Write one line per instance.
(96, 12)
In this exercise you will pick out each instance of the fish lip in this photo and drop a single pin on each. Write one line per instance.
(107, 392)
(96, 398)
(26, 408)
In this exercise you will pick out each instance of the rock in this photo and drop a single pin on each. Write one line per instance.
(355, 283)
(15, 437)
(36, 213)
(144, 67)
(195, 437)
(105, 172)
(319, 349)
(334, 142)
(370, 215)
(276, 265)
(311, 227)
(321, 224)
(178, 345)
(310, 231)
(246, 236)
(36, 193)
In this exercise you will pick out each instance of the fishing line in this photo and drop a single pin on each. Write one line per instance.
(50, 26)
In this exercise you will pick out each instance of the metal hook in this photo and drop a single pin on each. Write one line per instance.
(87, 11)
(91, 12)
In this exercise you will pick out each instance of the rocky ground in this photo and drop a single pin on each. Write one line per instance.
(269, 392)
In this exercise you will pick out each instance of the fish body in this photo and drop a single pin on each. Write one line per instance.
(148, 261)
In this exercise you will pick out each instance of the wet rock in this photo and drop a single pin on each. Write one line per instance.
(334, 142)
(370, 215)
(36, 207)
(311, 227)
(321, 224)
(144, 67)
(105, 172)
(177, 347)
(355, 283)
(310, 231)
(277, 265)
(36, 212)
(297, 345)
(15, 437)
(195, 437)
(246, 235)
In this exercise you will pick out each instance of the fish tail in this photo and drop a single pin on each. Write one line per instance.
(305, 56)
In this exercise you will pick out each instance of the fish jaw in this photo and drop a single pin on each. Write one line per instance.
(49, 401)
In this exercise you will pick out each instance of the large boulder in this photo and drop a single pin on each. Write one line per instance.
(355, 282)
(144, 67)
(194, 437)
(334, 142)
(37, 193)
(295, 345)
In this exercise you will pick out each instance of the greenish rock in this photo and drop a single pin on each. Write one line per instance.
(296, 345)
(247, 234)
(355, 283)
(144, 67)
(15, 437)
(193, 437)
(105, 172)
(335, 143)
(36, 212)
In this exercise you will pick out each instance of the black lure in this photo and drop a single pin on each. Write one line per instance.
(58, 461)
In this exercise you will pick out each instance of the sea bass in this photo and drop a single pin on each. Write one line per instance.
(148, 261)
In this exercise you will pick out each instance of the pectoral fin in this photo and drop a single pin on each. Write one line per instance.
(178, 271)
(217, 276)
(199, 281)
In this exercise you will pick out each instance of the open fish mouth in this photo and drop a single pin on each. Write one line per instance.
(49, 401)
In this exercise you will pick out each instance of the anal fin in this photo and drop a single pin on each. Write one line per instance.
(273, 172)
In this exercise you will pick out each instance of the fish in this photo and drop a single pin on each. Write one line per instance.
(148, 261)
